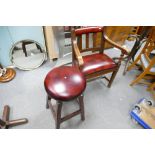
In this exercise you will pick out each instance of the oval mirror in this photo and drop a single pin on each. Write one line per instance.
(27, 55)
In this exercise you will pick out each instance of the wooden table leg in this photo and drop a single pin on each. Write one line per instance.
(58, 119)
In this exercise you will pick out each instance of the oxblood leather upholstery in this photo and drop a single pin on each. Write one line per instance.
(64, 83)
(94, 65)
(88, 30)
(97, 62)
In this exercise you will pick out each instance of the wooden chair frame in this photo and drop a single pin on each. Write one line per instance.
(77, 57)
(149, 46)
(57, 108)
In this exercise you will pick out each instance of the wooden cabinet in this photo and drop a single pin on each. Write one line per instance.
(118, 34)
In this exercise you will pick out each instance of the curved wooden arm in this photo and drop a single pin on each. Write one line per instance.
(77, 53)
(123, 50)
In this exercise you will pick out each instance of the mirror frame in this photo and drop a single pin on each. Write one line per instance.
(28, 69)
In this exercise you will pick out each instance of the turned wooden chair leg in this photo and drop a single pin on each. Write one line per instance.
(112, 78)
(81, 104)
(58, 117)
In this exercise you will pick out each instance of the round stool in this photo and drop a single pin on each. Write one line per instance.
(64, 83)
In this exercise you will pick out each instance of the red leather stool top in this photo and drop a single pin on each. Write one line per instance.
(64, 83)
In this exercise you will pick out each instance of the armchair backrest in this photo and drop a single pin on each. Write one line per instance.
(150, 45)
(91, 43)
(86, 38)
(146, 60)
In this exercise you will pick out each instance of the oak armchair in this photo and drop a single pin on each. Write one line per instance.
(96, 63)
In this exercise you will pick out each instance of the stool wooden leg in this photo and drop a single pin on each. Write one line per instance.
(47, 100)
(57, 111)
(58, 118)
(81, 107)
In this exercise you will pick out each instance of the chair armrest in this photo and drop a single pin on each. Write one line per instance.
(77, 54)
(123, 50)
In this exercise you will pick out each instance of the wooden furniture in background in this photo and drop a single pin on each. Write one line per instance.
(147, 63)
(5, 123)
(95, 64)
(64, 84)
(151, 88)
(68, 29)
(117, 34)
(139, 37)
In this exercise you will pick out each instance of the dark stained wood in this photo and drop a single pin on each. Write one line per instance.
(5, 123)
(80, 42)
(90, 49)
(47, 100)
(57, 112)
(87, 40)
(96, 64)
(70, 115)
(94, 39)
(95, 75)
(81, 103)
(64, 83)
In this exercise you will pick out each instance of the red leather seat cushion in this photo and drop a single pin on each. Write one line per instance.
(64, 83)
(97, 62)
